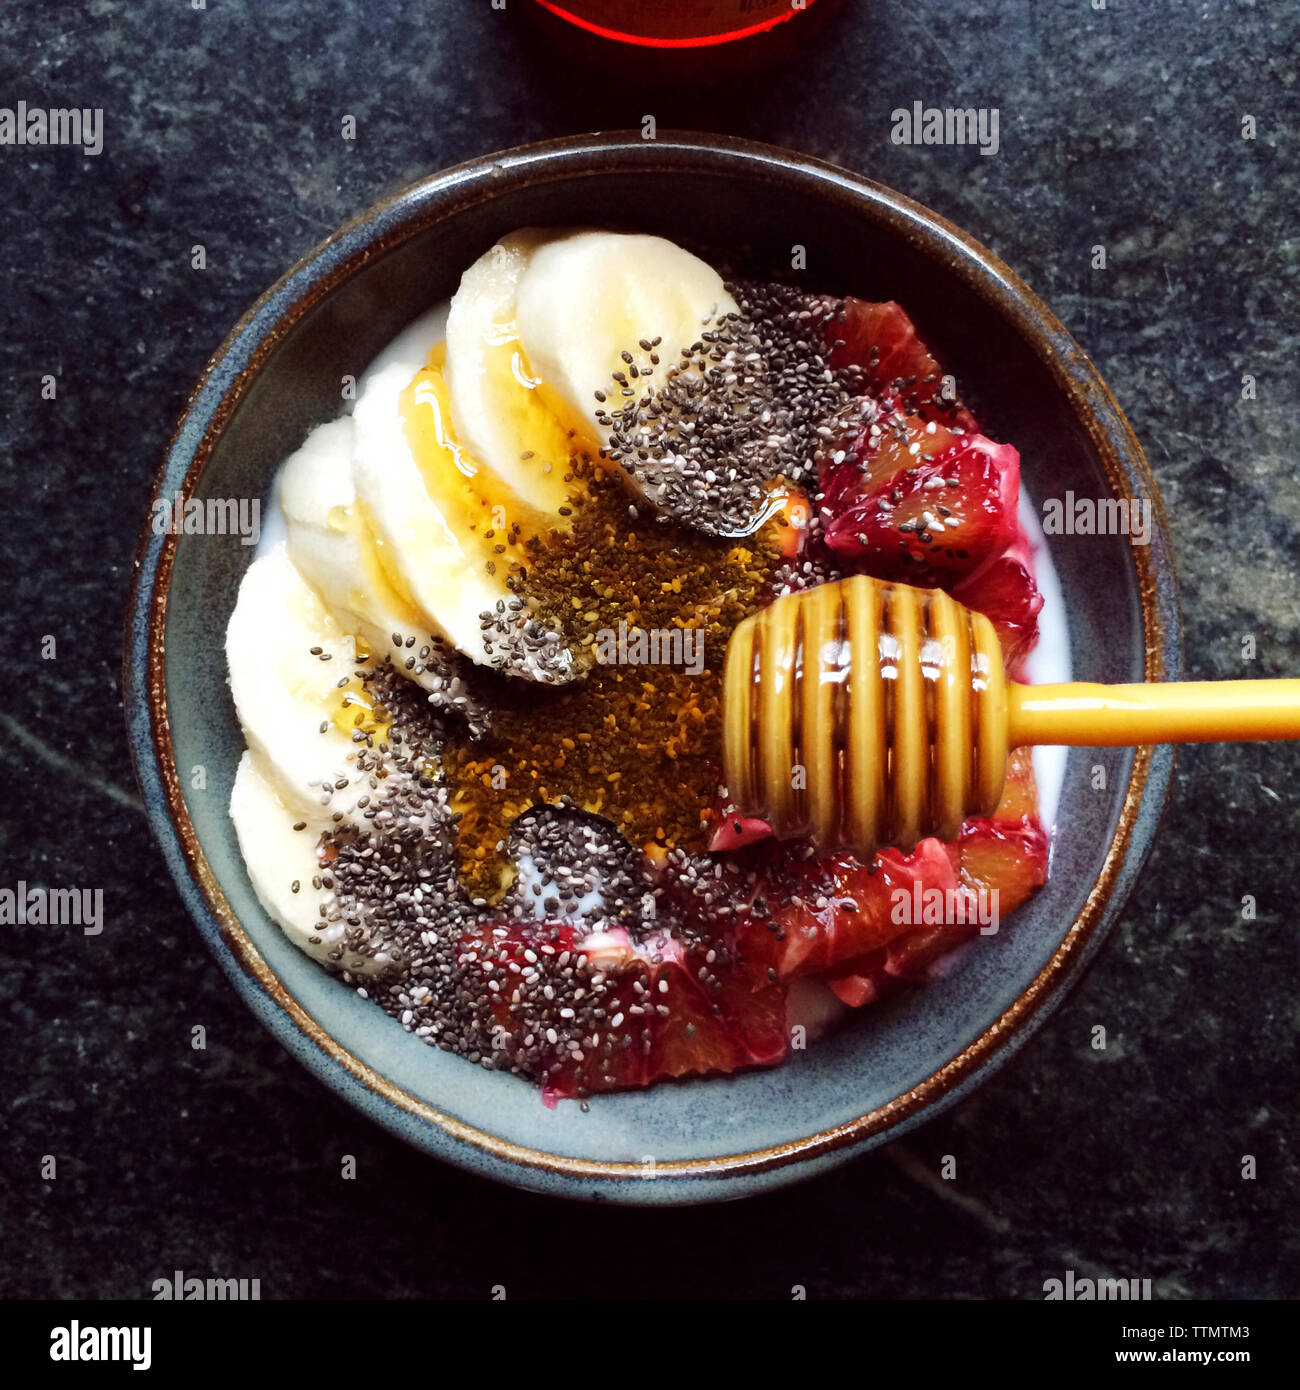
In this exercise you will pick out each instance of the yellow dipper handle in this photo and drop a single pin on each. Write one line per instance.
(1115, 716)
(862, 714)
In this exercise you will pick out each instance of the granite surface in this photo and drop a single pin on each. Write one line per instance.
(1120, 127)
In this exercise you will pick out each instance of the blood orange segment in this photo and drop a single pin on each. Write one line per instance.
(1020, 791)
(856, 988)
(791, 516)
(1006, 853)
(881, 340)
(667, 1012)
(1006, 594)
(870, 447)
(1008, 858)
(935, 522)
(809, 917)
(732, 832)
(882, 484)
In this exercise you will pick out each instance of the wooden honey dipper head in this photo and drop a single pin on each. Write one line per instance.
(862, 714)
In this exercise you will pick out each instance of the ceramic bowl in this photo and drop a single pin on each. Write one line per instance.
(279, 373)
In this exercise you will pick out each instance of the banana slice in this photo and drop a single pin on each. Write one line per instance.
(587, 297)
(501, 418)
(333, 550)
(428, 556)
(277, 856)
(284, 691)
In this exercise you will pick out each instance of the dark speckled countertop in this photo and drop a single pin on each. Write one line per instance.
(1120, 127)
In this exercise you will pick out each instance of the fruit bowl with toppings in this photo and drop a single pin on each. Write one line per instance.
(530, 439)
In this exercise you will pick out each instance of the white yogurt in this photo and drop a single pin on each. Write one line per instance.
(1049, 662)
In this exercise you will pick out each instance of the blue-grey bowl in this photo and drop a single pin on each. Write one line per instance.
(279, 373)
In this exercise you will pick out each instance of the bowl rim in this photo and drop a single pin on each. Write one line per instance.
(390, 222)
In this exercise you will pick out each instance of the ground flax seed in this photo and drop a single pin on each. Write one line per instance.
(638, 744)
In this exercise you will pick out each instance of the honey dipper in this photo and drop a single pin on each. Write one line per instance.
(862, 714)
